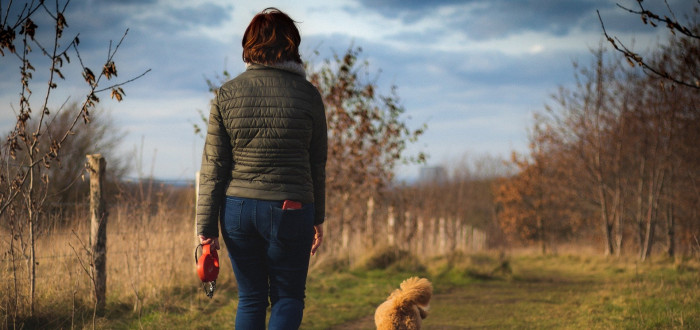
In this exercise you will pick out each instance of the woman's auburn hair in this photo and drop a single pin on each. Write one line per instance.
(271, 37)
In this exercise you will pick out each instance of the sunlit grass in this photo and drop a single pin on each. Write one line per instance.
(152, 285)
(580, 292)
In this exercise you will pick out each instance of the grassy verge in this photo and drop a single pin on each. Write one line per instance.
(576, 292)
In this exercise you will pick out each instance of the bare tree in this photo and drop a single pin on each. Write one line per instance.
(367, 136)
(584, 128)
(624, 145)
(27, 156)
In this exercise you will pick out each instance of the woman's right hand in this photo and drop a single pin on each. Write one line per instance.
(208, 240)
(318, 238)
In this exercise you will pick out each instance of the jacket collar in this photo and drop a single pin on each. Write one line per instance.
(290, 66)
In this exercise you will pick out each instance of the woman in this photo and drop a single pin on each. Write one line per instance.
(263, 174)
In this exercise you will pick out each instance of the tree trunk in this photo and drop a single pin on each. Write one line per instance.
(655, 187)
(541, 238)
(369, 222)
(640, 208)
(671, 231)
(598, 107)
(619, 235)
(619, 200)
(15, 287)
(607, 231)
(649, 237)
(605, 219)
(32, 213)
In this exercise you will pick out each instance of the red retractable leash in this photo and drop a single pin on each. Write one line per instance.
(208, 262)
(207, 267)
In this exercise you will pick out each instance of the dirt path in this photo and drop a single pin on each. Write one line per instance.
(367, 322)
(530, 302)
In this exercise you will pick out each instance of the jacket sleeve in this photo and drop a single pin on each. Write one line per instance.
(214, 174)
(318, 153)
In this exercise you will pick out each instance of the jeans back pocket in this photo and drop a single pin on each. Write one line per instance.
(293, 226)
(231, 212)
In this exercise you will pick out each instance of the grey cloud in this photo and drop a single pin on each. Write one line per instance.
(97, 17)
(206, 14)
(483, 20)
(125, 2)
(178, 60)
(422, 73)
(394, 7)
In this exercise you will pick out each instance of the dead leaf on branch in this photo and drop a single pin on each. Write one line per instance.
(109, 69)
(117, 93)
(60, 75)
(29, 28)
(89, 76)
(60, 24)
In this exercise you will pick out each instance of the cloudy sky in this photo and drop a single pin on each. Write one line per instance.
(474, 71)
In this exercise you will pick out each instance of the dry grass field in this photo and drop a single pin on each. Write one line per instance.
(151, 284)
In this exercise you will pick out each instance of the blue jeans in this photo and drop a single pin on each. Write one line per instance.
(269, 249)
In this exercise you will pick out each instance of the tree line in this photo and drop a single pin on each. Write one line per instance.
(616, 157)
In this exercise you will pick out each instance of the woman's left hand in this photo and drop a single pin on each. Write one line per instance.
(208, 240)
(318, 238)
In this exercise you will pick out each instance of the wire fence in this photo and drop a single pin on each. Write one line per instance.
(139, 250)
(158, 237)
(82, 234)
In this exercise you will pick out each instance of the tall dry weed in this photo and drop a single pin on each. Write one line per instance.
(150, 251)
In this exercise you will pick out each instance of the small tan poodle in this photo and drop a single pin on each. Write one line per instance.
(406, 307)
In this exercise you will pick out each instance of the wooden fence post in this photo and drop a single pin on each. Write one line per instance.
(442, 236)
(420, 235)
(391, 226)
(98, 227)
(408, 232)
(346, 228)
(369, 222)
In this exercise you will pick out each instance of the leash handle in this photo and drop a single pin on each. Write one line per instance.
(195, 252)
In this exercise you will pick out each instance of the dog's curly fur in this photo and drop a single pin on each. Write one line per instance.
(406, 307)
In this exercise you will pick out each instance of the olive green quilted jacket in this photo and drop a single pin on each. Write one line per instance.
(266, 140)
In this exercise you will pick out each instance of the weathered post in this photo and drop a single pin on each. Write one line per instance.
(391, 226)
(345, 224)
(98, 227)
(369, 222)
(420, 235)
(442, 236)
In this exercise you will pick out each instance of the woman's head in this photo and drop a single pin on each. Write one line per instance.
(271, 37)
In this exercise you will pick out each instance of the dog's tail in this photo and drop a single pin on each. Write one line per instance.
(414, 291)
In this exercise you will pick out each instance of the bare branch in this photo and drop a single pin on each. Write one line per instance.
(123, 83)
(636, 59)
(649, 17)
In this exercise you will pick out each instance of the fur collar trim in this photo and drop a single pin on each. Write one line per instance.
(290, 66)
